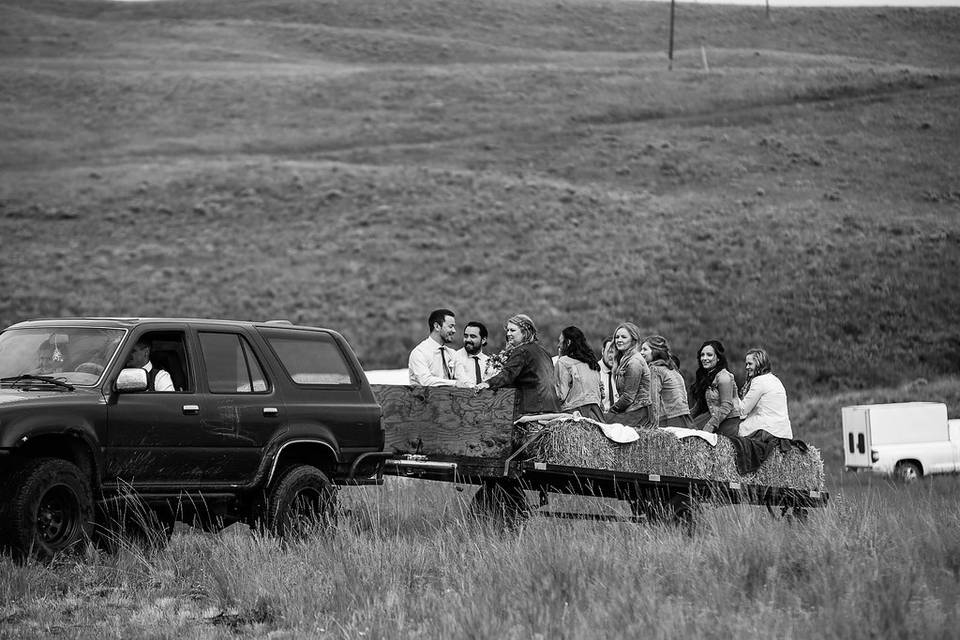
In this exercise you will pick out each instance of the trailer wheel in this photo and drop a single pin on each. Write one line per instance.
(48, 508)
(673, 508)
(501, 500)
(301, 498)
(908, 471)
(788, 513)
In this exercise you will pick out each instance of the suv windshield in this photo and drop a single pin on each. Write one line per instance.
(76, 355)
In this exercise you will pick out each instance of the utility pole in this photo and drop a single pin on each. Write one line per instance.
(768, 9)
(673, 4)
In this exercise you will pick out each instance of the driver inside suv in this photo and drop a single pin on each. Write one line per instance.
(157, 378)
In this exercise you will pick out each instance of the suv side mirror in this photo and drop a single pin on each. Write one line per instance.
(132, 380)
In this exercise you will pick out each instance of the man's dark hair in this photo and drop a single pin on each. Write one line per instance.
(437, 316)
(478, 325)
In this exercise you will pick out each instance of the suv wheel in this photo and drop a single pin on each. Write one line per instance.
(302, 497)
(49, 508)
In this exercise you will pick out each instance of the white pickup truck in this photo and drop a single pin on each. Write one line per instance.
(908, 439)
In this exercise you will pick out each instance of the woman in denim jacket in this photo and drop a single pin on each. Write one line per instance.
(668, 392)
(578, 375)
(715, 404)
(632, 377)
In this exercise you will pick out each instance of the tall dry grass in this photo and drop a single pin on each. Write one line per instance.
(408, 561)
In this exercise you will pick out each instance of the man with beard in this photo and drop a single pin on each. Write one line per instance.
(432, 362)
(471, 360)
(610, 394)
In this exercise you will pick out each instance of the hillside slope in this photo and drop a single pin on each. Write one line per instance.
(354, 164)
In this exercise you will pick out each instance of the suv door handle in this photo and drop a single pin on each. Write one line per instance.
(191, 409)
(270, 411)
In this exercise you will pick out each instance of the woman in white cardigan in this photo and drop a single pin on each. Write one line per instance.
(763, 400)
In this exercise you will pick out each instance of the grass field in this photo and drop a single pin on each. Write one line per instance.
(356, 163)
(409, 561)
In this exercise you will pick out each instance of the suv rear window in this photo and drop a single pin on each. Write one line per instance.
(310, 357)
(231, 365)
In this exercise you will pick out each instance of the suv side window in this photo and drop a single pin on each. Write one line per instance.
(231, 364)
(310, 357)
(167, 353)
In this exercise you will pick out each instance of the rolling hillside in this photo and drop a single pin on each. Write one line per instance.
(356, 163)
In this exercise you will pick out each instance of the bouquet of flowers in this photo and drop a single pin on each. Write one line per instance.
(496, 361)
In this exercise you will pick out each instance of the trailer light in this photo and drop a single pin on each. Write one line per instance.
(874, 455)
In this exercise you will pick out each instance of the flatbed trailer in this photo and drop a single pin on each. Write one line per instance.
(426, 428)
(650, 496)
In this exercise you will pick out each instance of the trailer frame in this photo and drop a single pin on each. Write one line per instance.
(651, 496)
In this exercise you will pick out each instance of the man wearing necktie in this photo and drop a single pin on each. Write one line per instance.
(471, 360)
(433, 363)
(610, 394)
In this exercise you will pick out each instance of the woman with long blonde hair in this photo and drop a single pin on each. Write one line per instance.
(763, 401)
(632, 377)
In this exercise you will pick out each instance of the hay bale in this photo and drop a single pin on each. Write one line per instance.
(579, 443)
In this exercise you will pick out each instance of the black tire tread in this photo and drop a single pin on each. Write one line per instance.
(19, 491)
(281, 494)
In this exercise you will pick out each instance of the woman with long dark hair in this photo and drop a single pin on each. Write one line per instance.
(715, 406)
(578, 375)
(668, 392)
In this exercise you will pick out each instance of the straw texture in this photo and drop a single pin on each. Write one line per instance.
(581, 444)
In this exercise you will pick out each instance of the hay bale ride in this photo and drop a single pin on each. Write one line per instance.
(458, 435)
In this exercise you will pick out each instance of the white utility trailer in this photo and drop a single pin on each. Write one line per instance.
(906, 439)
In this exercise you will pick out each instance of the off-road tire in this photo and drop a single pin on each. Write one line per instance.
(300, 499)
(48, 509)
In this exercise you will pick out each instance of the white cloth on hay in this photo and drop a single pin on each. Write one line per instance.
(616, 432)
(680, 432)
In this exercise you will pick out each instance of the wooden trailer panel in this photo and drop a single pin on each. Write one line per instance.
(473, 430)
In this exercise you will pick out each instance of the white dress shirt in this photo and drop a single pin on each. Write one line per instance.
(163, 381)
(426, 365)
(467, 370)
(608, 384)
(765, 407)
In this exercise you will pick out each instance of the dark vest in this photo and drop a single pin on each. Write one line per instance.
(151, 377)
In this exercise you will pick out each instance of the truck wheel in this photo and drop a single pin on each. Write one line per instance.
(302, 497)
(49, 508)
(908, 471)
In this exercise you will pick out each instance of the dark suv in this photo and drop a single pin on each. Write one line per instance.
(257, 422)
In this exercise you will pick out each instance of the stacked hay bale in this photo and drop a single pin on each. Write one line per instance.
(579, 443)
